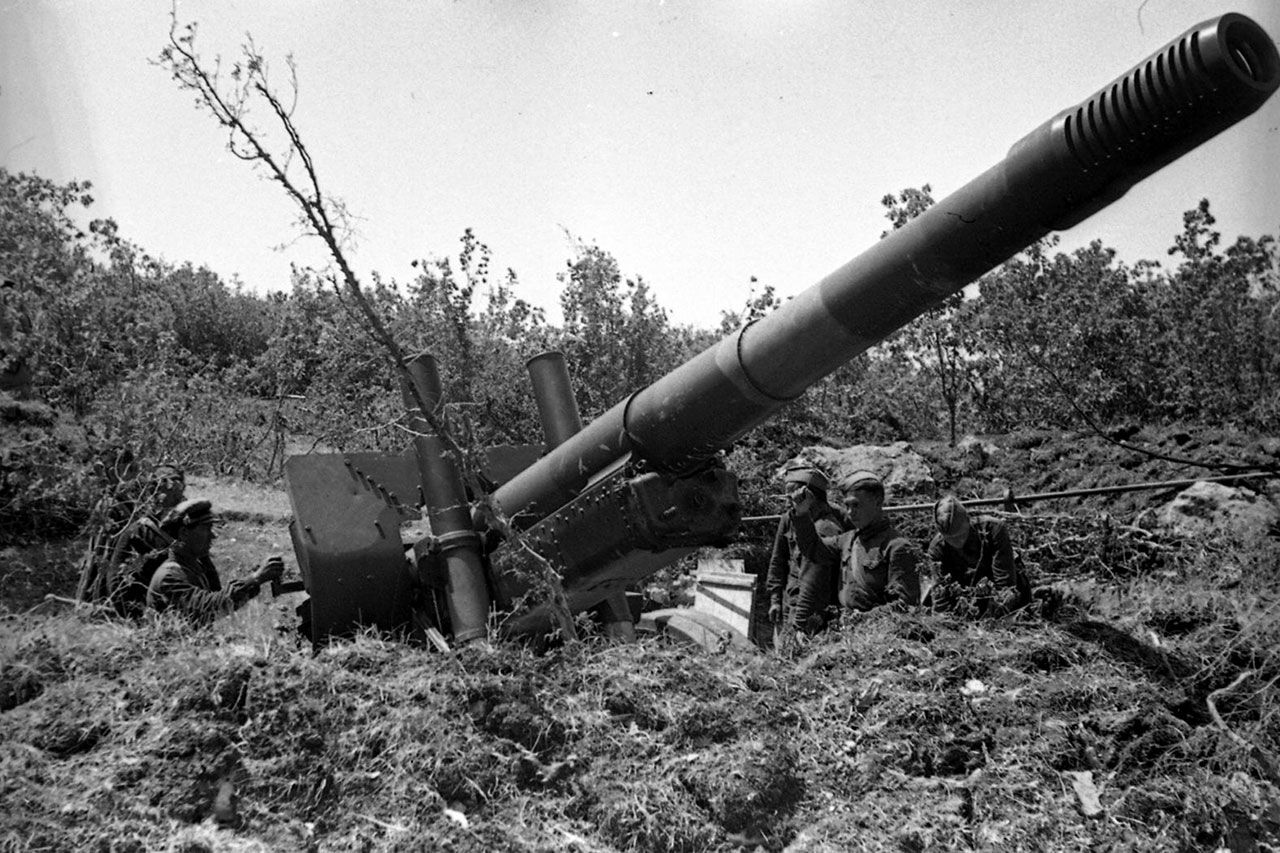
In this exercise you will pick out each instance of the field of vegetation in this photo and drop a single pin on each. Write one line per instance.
(1134, 707)
(1138, 712)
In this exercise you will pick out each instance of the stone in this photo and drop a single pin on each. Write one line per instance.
(1215, 509)
(905, 472)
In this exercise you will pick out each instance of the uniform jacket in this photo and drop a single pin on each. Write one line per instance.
(802, 585)
(191, 585)
(877, 566)
(986, 554)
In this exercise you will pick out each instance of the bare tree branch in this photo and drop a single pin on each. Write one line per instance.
(321, 215)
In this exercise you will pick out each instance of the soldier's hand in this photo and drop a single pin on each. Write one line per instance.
(943, 596)
(1005, 602)
(775, 613)
(802, 500)
(271, 570)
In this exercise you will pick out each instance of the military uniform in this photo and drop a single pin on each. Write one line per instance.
(877, 565)
(187, 581)
(191, 585)
(802, 586)
(986, 555)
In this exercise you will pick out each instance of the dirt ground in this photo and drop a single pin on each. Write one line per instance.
(1136, 709)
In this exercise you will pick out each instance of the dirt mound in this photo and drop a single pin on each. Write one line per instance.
(1039, 461)
(895, 732)
(1140, 713)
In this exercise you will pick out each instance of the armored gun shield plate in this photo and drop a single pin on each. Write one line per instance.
(347, 513)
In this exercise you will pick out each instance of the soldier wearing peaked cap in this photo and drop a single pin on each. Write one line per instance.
(187, 581)
(802, 589)
(878, 567)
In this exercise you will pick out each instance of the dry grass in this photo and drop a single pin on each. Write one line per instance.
(240, 500)
(899, 732)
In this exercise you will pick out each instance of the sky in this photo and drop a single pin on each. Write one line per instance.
(701, 142)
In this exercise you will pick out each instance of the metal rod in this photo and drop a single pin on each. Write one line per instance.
(1013, 500)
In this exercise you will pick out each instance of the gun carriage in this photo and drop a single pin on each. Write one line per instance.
(613, 501)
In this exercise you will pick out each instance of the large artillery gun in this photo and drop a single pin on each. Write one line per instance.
(642, 485)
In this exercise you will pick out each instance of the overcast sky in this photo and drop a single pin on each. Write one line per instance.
(702, 142)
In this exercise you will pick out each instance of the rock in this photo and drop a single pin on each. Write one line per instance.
(1086, 792)
(905, 472)
(975, 446)
(1213, 509)
(1270, 446)
(224, 804)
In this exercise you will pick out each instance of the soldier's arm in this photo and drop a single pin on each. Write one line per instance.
(937, 548)
(903, 584)
(816, 581)
(172, 588)
(812, 543)
(779, 564)
(1003, 570)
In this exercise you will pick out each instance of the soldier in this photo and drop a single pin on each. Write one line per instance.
(878, 567)
(168, 487)
(127, 525)
(801, 589)
(975, 555)
(187, 580)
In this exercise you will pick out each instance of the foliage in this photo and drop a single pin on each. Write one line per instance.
(904, 731)
(1061, 325)
(758, 304)
(615, 332)
(1083, 335)
(169, 361)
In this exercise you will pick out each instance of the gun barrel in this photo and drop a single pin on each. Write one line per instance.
(1085, 157)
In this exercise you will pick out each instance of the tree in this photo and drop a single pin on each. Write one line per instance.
(937, 342)
(1222, 358)
(323, 216)
(1061, 331)
(1081, 335)
(758, 304)
(615, 335)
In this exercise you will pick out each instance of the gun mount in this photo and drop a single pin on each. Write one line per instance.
(639, 487)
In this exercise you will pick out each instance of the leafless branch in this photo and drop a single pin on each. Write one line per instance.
(320, 214)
